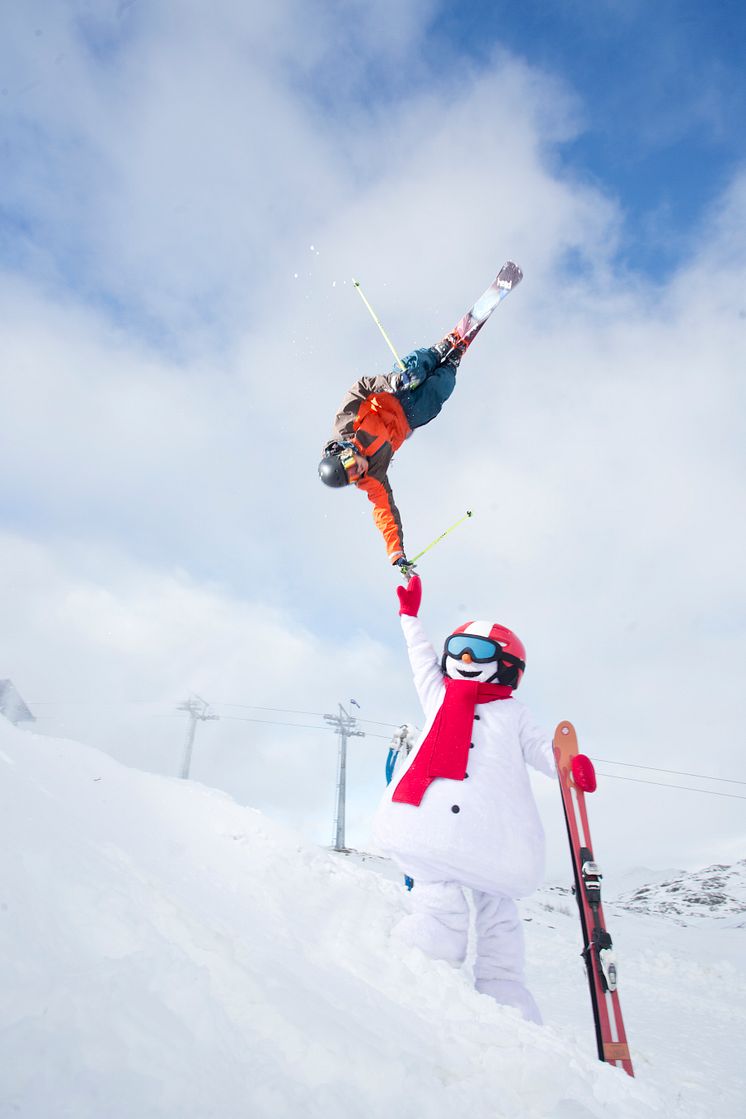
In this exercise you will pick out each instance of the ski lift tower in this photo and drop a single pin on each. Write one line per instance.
(198, 711)
(12, 705)
(345, 725)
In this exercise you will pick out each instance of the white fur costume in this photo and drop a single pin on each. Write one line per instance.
(483, 833)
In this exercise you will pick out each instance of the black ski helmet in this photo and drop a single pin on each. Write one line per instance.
(332, 472)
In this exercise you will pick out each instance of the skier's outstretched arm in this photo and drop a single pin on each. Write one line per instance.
(385, 514)
(428, 677)
(536, 745)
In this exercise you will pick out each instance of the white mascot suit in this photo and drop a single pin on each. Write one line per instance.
(459, 812)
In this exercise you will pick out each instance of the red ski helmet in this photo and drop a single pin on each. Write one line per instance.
(490, 641)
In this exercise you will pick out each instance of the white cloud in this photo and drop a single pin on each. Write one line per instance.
(167, 531)
(105, 651)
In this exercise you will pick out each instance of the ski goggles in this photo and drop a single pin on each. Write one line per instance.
(481, 649)
(347, 458)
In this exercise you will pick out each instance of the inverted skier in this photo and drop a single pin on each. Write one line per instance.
(377, 414)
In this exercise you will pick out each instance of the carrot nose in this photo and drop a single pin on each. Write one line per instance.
(466, 658)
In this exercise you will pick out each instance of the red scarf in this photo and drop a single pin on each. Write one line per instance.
(445, 751)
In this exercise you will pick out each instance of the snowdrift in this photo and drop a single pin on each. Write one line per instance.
(167, 952)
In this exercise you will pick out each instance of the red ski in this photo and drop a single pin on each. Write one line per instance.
(577, 778)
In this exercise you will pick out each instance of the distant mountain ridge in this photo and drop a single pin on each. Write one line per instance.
(716, 892)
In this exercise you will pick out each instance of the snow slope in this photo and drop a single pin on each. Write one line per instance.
(169, 953)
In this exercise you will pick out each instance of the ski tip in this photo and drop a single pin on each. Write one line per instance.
(510, 275)
(565, 740)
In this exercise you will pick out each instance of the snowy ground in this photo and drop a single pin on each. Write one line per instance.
(169, 953)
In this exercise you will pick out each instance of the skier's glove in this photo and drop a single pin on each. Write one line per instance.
(417, 368)
(410, 597)
(405, 567)
(407, 379)
(583, 773)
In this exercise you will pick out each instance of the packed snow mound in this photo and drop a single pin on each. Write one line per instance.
(718, 892)
(175, 954)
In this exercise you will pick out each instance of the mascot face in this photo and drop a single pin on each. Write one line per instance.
(486, 653)
(471, 654)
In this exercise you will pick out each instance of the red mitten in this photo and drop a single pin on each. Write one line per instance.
(583, 773)
(410, 597)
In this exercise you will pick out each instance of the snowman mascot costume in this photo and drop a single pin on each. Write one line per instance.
(459, 812)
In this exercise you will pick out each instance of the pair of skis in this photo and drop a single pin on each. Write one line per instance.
(577, 777)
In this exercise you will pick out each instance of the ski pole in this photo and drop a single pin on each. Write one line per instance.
(377, 321)
(442, 535)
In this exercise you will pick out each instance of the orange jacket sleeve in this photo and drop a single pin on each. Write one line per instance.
(385, 514)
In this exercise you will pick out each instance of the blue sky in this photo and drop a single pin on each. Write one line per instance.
(661, 91)
(656, 93)
(184, 198)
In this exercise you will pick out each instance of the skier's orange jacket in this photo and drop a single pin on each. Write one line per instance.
(372, 418)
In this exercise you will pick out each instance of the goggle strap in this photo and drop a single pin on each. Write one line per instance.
(347, 458)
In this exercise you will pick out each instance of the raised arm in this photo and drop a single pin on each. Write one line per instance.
(428, 677)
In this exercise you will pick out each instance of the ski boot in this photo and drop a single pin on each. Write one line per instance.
(450, 348)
